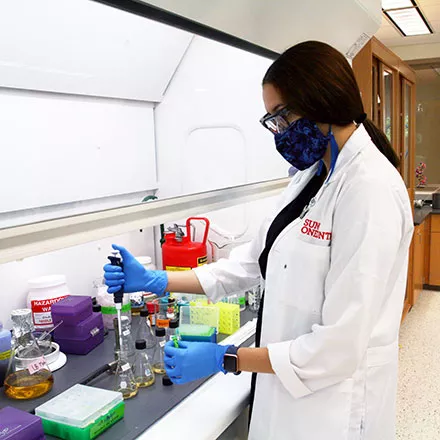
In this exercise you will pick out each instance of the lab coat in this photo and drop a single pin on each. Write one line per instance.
(335, 288)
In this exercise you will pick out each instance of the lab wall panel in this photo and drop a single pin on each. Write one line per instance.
(83, 47)
(80, 264)
(60, 149)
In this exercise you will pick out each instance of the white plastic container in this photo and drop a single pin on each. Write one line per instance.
(137, 298)
(147, 262)
(108, 309)
(43, 292)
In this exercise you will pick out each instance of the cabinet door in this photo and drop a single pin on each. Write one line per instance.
(434, 265)
(387, 104)
(375, 98)
(407, 127)
(427, 249)
(418, 262)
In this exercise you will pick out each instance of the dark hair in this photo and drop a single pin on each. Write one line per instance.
(382, 143)
(317, 82)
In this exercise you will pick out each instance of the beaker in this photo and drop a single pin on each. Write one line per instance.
(28, 374)
(126, 338)
(125, 382)
(145, 331)
(144, 374)
(158, 358)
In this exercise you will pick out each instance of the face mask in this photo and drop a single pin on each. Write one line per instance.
(302, 144)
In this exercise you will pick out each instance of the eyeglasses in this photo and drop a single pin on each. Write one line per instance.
(277, 122)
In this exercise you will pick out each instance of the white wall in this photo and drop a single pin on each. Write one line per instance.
(279, 24)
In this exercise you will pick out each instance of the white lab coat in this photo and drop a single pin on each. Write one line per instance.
(335, 287)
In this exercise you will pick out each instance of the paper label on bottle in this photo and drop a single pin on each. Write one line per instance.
(125, 367)
(41, 310)
(5, 355)
(123, 385)
(37, 365)
(162, 343)
(126, 332)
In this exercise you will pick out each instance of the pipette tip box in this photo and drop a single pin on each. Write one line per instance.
(19, 425)
(72, 310)
(82, 338)
(81, 412)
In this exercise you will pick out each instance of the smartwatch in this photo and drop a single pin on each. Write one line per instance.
(230, 360)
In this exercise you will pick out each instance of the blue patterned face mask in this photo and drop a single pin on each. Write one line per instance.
(302, 144)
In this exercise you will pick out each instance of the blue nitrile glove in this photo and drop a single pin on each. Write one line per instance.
(193, 360)
(134, 277)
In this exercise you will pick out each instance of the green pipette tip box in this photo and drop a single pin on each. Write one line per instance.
(198, 333)
(92, 431)
(81, 413)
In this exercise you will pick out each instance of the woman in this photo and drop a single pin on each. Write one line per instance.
(333, 259)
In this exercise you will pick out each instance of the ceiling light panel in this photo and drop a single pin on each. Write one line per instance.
(409, 21)
(395, 4)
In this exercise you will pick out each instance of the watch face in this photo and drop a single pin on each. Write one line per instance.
(230, 363)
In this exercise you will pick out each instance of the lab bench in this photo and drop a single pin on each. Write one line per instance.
(153, 403)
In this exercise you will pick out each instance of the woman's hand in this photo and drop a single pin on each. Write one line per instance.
(193, 360)
(133, 276)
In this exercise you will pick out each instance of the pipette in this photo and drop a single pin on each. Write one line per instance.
(118, 296)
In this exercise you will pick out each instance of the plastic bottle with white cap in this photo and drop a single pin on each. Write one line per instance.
(43, 292)
(137, 298)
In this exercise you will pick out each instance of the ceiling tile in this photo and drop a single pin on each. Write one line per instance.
(423, 3)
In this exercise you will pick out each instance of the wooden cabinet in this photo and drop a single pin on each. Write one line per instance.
(427, 249)
(434, 266)
(434, 263)
(419, 261)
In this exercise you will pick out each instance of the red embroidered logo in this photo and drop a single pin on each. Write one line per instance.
(312, 228)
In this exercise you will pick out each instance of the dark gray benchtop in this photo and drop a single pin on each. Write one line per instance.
(420, 214)
(141, 412)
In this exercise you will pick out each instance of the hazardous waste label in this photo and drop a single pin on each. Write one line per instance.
(41, 310)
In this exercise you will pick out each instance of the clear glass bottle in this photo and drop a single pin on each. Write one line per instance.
(144, 374)
(125, 381)
(145, 331)
(28, 374)
(173, 329)
(158, 359)
(128, 348)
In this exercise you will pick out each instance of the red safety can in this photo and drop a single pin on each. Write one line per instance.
(179, 252)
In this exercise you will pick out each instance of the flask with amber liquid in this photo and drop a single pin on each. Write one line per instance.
(28, 375)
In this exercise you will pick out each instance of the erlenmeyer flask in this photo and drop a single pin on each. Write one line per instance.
(28, 374)
(128, 349)
(158, 358)
(125, 382)
(144, 374)
(145, 332)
